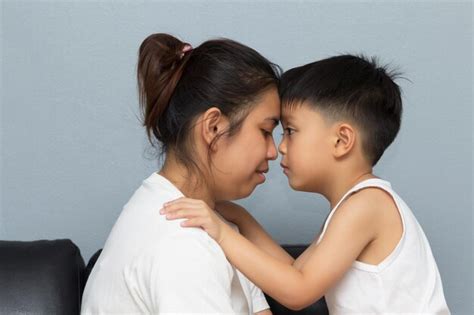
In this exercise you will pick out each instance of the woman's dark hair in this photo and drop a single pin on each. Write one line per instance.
(176, 84)
(350, 87)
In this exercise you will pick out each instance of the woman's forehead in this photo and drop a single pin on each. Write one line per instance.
(268, 107)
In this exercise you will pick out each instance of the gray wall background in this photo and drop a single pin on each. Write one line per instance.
(73, 151)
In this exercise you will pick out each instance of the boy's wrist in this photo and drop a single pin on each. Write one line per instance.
(224, 233)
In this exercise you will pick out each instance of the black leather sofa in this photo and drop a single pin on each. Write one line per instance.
(48, 277)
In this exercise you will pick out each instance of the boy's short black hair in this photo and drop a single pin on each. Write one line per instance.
(349, 87)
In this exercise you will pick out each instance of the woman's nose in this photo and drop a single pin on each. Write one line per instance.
(272, 153)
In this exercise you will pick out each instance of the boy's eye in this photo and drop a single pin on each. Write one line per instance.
(266, 132)
(288, 131)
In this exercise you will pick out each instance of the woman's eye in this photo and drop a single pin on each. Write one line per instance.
(266, 132)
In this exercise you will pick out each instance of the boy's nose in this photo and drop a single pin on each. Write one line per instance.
(282, 146)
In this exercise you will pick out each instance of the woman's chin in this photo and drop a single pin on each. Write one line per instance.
(247, 189)
(242, 193)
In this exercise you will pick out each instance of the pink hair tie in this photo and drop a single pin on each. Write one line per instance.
(186, 48)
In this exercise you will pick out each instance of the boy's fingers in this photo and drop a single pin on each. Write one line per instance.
(175, 207)
(195, 222)
(181, 205)
(183, 213)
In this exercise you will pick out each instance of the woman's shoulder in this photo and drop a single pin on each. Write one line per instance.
(190, 249)
(153, 191)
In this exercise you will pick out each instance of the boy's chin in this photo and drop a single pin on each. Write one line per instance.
(294, 184)
(299, 186)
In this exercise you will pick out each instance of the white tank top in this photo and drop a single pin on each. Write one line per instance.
(406, 282)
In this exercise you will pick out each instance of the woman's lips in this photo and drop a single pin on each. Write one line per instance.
(261, 174)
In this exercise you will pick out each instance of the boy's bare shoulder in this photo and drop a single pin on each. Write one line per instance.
(370, 208)
(357, 220)
(370, 198)
(365, 206)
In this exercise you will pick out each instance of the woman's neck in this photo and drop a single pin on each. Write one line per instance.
(189, 184)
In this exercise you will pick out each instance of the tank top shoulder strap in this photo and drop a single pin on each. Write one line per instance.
(371, 182)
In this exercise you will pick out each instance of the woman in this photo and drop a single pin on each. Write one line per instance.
(212, 111)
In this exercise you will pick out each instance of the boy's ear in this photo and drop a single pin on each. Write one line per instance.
(213, 123)
(344, 139)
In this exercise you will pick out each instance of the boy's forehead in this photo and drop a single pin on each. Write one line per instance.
(285, 114)
(302, 113)
(289, 110)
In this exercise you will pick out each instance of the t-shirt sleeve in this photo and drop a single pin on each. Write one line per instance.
(184, 273)
(259, 302)
(258, 299)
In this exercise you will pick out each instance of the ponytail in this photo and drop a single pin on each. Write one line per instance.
(161, 61)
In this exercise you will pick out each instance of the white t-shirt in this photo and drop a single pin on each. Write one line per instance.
(155, 266)
(405, 282)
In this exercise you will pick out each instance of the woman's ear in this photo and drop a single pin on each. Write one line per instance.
(344, 139)
(213, 123)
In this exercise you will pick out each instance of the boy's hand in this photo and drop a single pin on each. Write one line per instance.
(198, 214)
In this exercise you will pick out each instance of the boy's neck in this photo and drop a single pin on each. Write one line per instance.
(189, 184)
(343, 182)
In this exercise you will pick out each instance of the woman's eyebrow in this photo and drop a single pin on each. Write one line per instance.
(274, 120)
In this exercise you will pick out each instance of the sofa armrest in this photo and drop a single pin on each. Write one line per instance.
(318, 307)
(40, 277)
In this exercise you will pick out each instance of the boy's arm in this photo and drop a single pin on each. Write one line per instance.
(296, 286)
(252, 230)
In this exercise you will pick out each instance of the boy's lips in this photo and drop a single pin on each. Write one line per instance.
(284, 167)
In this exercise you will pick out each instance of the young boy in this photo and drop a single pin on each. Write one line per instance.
(339, 115)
